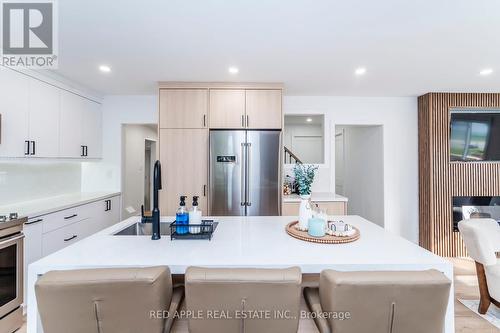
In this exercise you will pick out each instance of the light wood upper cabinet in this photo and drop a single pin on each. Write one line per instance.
(183, 108)
(184, 158)
(263, 109)
(227, 108)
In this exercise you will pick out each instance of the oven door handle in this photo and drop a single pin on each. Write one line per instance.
(12, 239)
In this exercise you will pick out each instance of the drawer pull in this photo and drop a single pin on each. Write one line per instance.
(70, 217)
(71, 238)
(33, 222)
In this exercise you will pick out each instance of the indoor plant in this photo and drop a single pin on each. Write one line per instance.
(304, 177)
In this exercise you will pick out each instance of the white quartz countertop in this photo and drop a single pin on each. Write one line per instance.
(259, 242)
(318, 197)
(243, 242)
(48, 205)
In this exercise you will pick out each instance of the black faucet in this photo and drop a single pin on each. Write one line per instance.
(156, 211)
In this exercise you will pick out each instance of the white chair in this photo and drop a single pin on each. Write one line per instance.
(482, 239)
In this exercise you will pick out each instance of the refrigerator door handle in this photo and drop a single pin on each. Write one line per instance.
(249, 175)
(243, 174)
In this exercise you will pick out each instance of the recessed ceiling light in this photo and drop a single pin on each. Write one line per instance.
(486, 71)
(360, 71)
(105, 69)
(309, 120)
(233, 70)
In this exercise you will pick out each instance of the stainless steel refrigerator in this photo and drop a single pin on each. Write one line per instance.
(245, 173)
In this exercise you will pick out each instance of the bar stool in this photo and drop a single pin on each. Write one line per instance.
(379, 302)
(115, 300)
(243, 300)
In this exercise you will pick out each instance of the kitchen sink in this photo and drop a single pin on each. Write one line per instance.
(143, 229)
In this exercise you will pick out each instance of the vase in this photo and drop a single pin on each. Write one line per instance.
(305, 211)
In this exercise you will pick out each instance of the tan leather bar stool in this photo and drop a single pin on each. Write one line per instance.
(243, 300)
(115, 300)
(380, 302)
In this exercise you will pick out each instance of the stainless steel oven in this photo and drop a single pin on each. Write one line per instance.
(11, 273)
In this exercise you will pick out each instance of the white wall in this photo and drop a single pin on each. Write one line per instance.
(134, 137)
(25, 180)
(398, 116)
(362, 170)
(117, 110)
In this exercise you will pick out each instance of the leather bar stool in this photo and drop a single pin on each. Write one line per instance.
(380, 302)
(115, 300)
(243, 300)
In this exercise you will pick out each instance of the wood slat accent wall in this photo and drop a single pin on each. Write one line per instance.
(439, 178)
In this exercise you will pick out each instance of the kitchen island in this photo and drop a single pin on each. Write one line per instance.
(242, 242)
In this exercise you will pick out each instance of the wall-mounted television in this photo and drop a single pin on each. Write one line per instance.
(475, 135)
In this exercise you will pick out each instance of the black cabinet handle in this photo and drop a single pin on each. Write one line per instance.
(83, 151)
(242, 121)
(108, 205)
(204, 120)
(71, 238)
(86, 150)
(26, 147)
(204, 190)
(70, 217)
(33, 222)
(33, 148)
(248, 120)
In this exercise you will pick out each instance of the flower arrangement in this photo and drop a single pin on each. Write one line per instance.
(304, 177)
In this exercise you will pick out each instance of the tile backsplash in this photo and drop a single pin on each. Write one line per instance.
(31, 180)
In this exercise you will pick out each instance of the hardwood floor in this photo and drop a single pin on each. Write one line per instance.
(466, 287)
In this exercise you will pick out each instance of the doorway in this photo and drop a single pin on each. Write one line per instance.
(149, 162)
(359, 169)
(139, 152)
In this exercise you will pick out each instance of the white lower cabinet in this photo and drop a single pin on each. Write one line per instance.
(52, 232)
(70, 234)
(32, 245)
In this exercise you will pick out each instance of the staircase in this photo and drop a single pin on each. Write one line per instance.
(290, 157)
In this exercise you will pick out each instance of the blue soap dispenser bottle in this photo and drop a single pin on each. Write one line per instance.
(182, 217)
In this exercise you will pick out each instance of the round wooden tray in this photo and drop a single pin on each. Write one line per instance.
(327, 239)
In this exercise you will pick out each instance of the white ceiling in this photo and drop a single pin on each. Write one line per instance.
(408, 47)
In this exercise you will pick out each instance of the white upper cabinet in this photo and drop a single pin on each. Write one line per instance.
(81, 127)
(92, 129)
(43, 119)
(14, 106)
(38, 119)
(71, 138)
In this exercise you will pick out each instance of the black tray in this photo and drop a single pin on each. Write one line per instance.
(207, 228)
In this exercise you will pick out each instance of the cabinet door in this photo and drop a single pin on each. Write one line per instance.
(290, 209)
(227, 108)
(263, 109)
(32, 246)
(332, 208)
(184, 160)
(183, 108)
(108, 212)
(60, 238)
(72, 110)
(14, 105)
(92, 129)
(44, 111)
